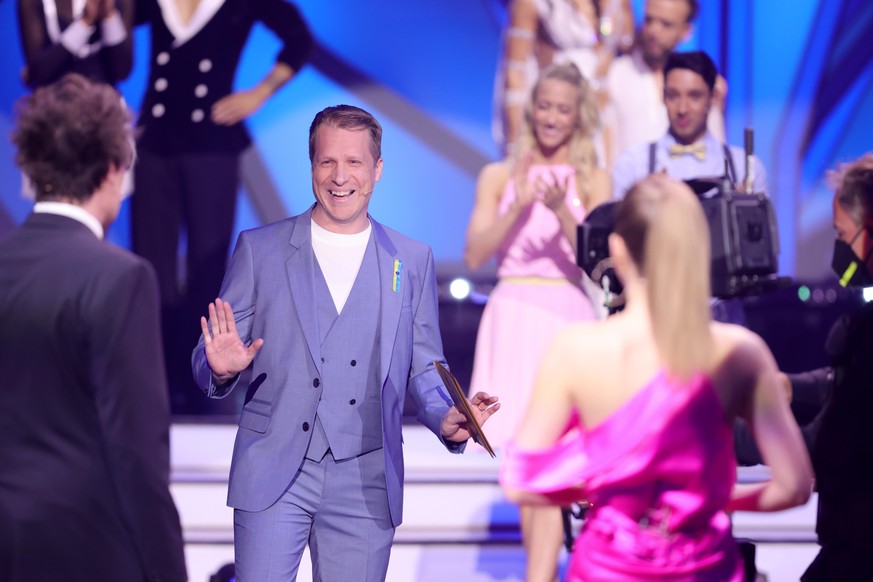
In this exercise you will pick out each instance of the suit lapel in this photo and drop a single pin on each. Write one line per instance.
(391, 296)
(300, 269)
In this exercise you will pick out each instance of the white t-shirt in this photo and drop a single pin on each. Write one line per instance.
(340, 257)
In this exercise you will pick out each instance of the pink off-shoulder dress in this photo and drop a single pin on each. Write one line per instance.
(659, 473)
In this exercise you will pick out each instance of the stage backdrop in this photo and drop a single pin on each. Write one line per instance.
(798, 72)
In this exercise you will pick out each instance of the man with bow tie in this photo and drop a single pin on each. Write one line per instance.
(688, 150)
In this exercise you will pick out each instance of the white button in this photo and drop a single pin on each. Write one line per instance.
(205, 66)
(160, 84)
(201, 90)
(163, 58)
(158, 110)
(197, 115)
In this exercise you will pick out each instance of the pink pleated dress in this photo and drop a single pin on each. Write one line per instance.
(659, 473)
(538, 293)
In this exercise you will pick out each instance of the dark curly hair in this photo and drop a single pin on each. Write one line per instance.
(68, 134)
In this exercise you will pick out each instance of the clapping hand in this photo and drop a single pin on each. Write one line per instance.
(225, 351)
(524, 193)
(553, 193)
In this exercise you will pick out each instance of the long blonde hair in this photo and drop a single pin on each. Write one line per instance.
(582, 155)
(666, 233)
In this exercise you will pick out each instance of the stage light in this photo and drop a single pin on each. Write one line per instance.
(868, 293)
(460, 289)
(803, 293)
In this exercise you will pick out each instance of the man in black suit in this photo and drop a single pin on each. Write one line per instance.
(84, 414)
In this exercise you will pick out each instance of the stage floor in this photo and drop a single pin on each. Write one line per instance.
(457, 524)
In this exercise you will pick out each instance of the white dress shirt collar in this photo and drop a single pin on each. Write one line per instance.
(183, 32)
(71, 211)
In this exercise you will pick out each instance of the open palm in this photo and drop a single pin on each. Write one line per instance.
(225, 351)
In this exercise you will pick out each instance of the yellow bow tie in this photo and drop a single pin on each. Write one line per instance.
(698, 150)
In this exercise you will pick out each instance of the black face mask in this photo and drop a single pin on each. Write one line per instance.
(851, 270)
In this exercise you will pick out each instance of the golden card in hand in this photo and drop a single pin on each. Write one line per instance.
(463, 406)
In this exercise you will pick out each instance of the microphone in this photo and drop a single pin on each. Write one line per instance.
(749, 146)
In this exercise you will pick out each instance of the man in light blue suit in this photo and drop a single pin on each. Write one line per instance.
(334, 316)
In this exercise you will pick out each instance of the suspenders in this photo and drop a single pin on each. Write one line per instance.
(729, 169)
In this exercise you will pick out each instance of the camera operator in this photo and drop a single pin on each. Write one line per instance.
(839, 438)
(688, 149)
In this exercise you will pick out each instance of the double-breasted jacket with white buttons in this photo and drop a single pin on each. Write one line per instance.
(193, 66)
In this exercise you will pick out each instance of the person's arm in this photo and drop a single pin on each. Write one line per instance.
(132, 405)
(239, 105)
(225, 347)
(285, 21)
(45, 61)
(531, 472)
(487, 229)
(116, 26)
(425, 387)
(554, 197)
(519, 46)
(778, 438)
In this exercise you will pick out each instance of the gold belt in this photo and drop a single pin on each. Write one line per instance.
(536, 281)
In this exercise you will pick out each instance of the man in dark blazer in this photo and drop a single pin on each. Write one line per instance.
(84, 447)
(336, 317)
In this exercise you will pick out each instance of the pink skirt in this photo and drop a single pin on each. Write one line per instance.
(520, 320)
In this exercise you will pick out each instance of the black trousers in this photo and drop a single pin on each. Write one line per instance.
(192, 195)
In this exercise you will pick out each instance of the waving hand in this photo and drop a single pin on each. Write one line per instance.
(225, 351)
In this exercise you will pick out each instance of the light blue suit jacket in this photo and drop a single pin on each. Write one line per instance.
(269, 284)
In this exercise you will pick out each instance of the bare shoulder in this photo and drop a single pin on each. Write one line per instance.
(580, 344)
(493, 179)
(522, 7)
(495, 172)
(740, 350)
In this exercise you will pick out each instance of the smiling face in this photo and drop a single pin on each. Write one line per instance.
(688, 99)
(344, 174)
(555, 114)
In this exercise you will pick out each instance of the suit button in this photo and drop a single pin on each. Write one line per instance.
(352, 401)
(322, 360)
(305, 426)
(316, 382)
(354, 363)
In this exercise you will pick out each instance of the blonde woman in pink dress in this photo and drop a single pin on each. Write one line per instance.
(634, 413)
(526, 212)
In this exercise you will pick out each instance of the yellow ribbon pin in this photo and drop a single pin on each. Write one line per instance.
(395, 282)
